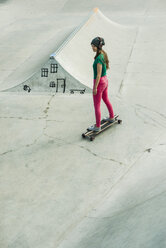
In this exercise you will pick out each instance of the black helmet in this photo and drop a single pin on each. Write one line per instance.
(98, 42)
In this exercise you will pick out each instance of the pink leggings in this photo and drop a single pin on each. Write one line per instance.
(102, 92)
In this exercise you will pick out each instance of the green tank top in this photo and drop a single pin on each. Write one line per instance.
(99, 59)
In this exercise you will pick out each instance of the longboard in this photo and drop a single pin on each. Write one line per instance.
(104, 125)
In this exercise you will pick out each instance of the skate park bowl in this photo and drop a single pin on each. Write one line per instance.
(57, 189)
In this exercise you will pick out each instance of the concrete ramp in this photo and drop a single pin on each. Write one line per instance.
(76, 55)
(74, 58)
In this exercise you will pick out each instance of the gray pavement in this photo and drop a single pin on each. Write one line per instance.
(58, 190)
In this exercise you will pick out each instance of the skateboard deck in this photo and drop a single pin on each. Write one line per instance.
(104, 125)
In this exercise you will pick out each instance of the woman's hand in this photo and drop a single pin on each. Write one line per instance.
(94, 91)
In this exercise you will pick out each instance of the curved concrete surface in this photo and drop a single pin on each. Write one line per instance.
(78, 69)
(117, 38)
(58, 190)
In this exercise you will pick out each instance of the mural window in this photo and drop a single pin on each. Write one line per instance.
(53, 68)
(44, 72)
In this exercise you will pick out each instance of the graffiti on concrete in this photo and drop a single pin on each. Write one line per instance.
(53, 68)
(44, 72)
(82, 91)
(26, 88)
(52, 84)
(61, 82)
(63, 85)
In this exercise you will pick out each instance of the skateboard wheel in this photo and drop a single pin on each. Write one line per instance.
(83, 135)
(119, 121)
(92, 138)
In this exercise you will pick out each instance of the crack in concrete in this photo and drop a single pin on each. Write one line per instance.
(47, 107)
(35, 141)
(22, 118)
(148, 150)
(38, 118)
(4, 153)
(54, 120)
(101, 157)
(92, 153)
(15, 150)
(46, 116)
(88, 150)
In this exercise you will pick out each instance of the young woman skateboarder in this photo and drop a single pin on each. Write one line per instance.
(100, 83)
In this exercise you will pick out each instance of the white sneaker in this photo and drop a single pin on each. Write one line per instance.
(94, 128)
(109, 120)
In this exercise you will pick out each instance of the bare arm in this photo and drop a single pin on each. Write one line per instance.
(99, 70)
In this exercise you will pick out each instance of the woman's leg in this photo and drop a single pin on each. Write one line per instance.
(107, 102)
(97, 102)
